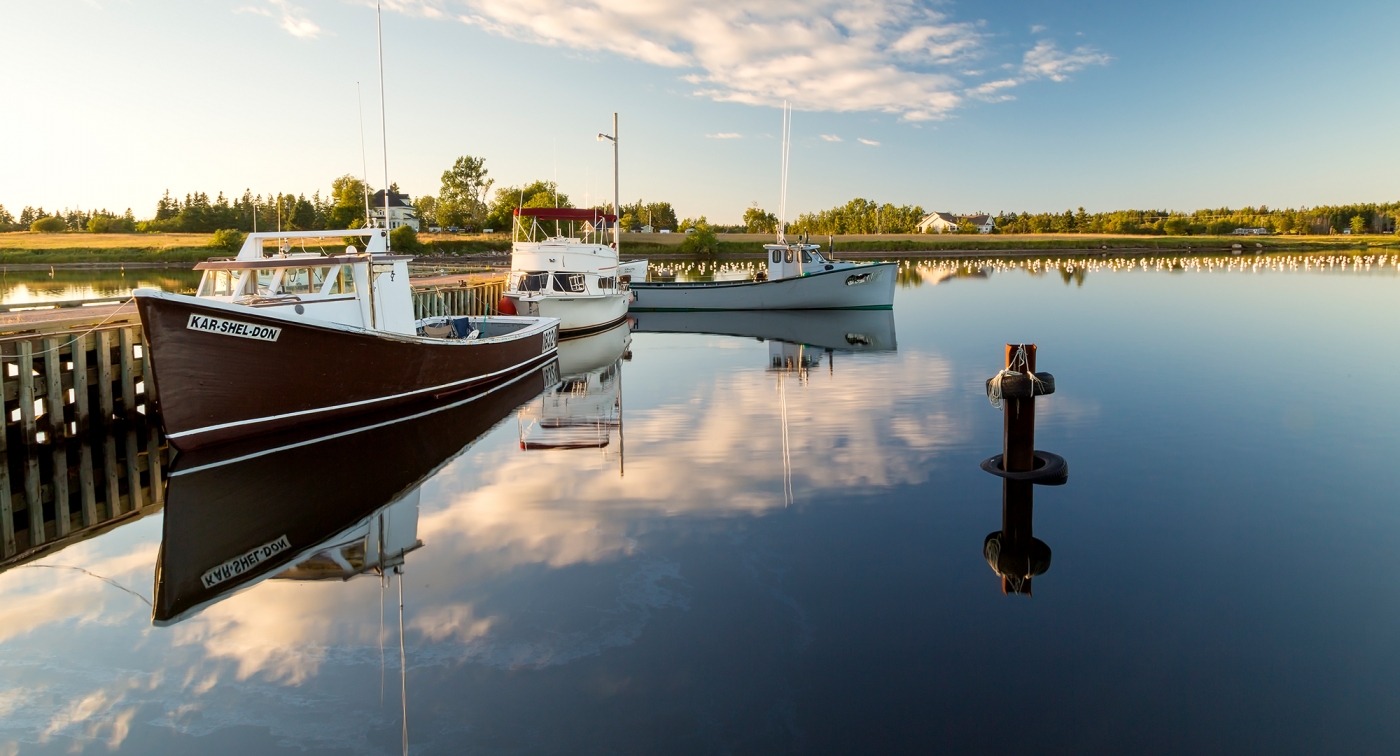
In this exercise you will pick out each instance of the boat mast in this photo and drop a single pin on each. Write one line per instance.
(383, 123)
(364, 162)
(783, 172)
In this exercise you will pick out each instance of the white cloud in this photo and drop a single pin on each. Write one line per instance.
(992, 91)
(1048, 61)
(1038, 28)
(831, 137)
(724, 135)
(903, 57)
(870, 142)
(836, 55)
(293, 19)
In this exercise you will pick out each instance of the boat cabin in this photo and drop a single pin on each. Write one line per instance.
(563, 252)
(788, 260)
(362, 288)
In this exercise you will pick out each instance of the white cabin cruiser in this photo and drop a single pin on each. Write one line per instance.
(573, 278)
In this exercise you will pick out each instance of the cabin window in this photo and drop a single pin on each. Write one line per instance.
(217, 283)
(344, 280)
(318, 279)
(788, 256)
(566, 282)
(777, 256)
(533, 282)
(806, 256)
(266, 276)
(607, 283)
(296, 281)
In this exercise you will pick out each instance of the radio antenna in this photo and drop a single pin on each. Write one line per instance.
(364, 162)
(383, 121)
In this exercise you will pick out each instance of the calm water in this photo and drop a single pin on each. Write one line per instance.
(731, 544)
(38, 286)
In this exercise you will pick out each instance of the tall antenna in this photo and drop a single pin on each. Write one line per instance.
(383, 122)
(364, 162)
(783, 171)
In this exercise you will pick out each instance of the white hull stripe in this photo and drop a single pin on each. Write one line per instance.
(353, 431)
(362, 402)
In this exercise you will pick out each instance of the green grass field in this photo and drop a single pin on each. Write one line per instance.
(25, 247)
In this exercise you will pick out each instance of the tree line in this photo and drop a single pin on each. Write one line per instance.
(465, 201)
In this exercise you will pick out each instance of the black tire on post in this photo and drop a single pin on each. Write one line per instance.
(1050, 469)
(1022, 387)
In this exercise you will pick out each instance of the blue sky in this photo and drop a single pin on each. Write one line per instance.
(960, 106)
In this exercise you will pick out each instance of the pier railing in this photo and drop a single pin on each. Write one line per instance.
(81, 445)
(476, 299)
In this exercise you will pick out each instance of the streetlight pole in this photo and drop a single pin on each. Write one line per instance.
(617, 197)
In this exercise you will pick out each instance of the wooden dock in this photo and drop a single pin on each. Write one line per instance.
(82, 439)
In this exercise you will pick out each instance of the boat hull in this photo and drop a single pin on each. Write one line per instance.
(577, 316)
(864, 287)
(269, 373)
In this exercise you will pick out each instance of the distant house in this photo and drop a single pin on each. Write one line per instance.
(939, 223)
(401, 213)
(647, 229)
(947, 223)
(984, 223)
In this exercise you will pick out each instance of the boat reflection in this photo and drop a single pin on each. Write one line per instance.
(831, 330)
(335, 501)
(585, 410)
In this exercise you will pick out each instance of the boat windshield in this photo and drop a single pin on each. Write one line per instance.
(533, 282)
(273, 282)
(568, 282)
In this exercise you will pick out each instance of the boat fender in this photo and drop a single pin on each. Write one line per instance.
(506, 306)
(1050, 469)
(1019, 386)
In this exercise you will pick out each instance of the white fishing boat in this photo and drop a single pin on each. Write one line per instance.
(564, 269)
(798, 277)
(785, 285)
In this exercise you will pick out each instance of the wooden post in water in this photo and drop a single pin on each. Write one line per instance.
(32, 499)
(107, 408)
(153, 462)
(82, 417)
(57, 429)
(133, 450)
(1018, 437)
(7, 513)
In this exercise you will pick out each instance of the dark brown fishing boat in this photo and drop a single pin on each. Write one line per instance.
(238, 513)
(268, 343)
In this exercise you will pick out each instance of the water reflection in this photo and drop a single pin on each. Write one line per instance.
(1013, 552)
(334, 500)
(585, 410)
(57, 284)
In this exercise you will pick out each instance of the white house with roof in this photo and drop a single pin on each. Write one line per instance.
(939, 223)
(947, 223)
(401, 213)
